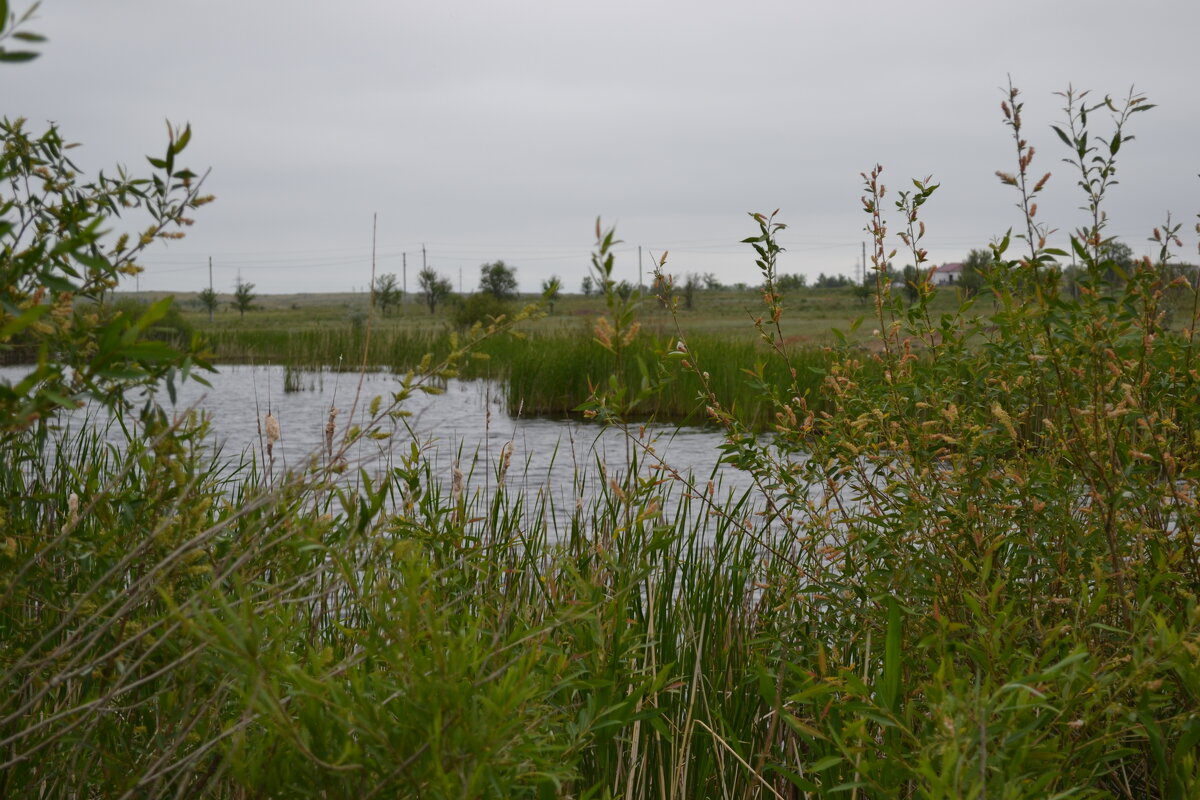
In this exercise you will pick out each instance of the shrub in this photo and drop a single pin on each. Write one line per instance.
(481, 307)
(171, 328)
(995, 545)
(56, 268)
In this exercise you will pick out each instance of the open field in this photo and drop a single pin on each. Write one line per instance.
(812, 313)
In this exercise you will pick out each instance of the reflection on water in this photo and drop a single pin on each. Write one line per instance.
(468, 423)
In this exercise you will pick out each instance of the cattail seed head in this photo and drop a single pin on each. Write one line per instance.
(271, 427)
(505, 459)
(330, 428)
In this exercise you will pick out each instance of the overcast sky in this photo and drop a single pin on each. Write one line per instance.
(501, 130)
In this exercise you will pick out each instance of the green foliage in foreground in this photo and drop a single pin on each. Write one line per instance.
(970, 571)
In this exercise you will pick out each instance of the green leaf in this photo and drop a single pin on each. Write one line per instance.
(803, 728)
(1003, 245)
(95, 262)
(149, 351)
(57, 284)
(846, 787)
(26, 319)
(153, 313)
(182, 142)
(1078, 247)
(27, 36)
(120, 374)
(824, 764)
(890, 686)
(793, 778)
(17, 56)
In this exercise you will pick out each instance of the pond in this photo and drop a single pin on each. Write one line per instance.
(467, 426)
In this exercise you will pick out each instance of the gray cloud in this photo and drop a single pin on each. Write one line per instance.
(501, 130)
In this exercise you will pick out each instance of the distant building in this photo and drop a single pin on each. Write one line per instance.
(946, 273)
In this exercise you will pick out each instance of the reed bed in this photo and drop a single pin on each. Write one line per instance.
(394, 625)
(550, 375)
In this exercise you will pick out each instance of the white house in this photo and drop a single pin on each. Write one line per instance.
(946, 273)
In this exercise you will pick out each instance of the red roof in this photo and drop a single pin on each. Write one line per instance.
(949, 268)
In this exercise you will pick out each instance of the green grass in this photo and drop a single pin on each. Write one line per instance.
(812, 314)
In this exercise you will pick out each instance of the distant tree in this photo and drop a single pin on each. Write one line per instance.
(208, 301)
(587, 286)
(711, 284)
(832, 281)
(551, 290)
(386, 292)
(790, 282)
(243, 297)
(975, 265)
(690, 284)
(434, 288)
(498, 279)
(863, 291)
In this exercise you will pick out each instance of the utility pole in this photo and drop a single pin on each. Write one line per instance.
(371, 297)
(210, 291)
(641, 287)
(424, 266)
(864, 262)
(404, 270)
(460, 280)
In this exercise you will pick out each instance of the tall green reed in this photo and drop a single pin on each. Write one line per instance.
(553, 374)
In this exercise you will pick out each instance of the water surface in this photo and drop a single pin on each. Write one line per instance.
(467, 426)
